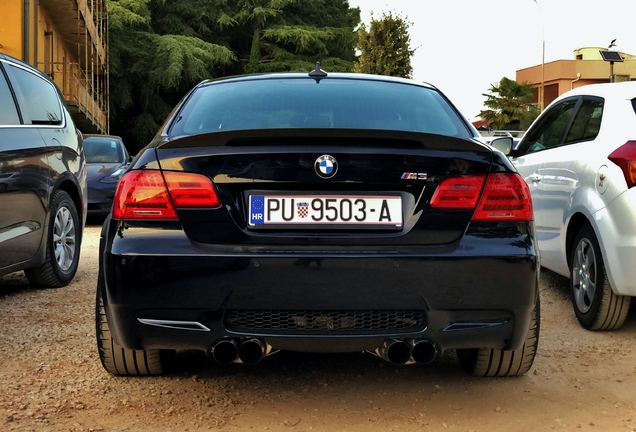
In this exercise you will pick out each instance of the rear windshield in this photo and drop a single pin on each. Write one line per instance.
(332, 103)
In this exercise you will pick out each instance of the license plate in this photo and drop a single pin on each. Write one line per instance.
(344, 211)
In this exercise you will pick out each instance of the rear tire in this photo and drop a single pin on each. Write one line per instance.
(118, 360)
(488, 362)
(63, 241)
(596, 306)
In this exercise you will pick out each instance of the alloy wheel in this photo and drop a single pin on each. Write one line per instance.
(64, 238)
(584, 275)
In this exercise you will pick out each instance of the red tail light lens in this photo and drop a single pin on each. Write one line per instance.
(625, 158)
(191, 190)
(143, 194)
(506, 198)
(457, 193)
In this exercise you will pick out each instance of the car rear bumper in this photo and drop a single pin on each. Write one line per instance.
(163, 291)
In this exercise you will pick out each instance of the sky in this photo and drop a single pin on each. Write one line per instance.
(465, 46)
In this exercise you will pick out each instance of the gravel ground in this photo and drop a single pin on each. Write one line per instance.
(51, 378)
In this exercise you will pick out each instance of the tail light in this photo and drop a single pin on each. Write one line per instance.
(457, 193)
(505, 197)
(625, 158)
(149, 194)
(189, 190)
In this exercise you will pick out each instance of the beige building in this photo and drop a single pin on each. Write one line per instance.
(587, 67)
(66, 39)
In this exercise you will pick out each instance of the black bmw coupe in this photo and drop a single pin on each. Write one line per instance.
(319, 212)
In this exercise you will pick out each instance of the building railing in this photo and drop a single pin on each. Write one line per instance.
(95, 32)
(78, 89)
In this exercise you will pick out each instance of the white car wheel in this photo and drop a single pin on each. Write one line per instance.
(596, 306)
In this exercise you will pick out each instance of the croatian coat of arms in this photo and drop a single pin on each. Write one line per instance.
(303, 209)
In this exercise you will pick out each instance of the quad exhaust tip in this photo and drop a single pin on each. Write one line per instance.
(401, 352)
(396, 351)
(225, 351)
(423, 351)
(249, 351)
(252, 351)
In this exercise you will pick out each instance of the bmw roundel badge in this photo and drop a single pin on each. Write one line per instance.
(326, 166)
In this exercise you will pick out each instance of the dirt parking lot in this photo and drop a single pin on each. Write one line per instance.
(51, 379)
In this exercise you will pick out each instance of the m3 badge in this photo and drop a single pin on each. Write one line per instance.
(414, 176)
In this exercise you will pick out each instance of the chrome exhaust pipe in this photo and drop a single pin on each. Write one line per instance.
(423, 351)
(252, 351)
(395, 351)
(225, 351)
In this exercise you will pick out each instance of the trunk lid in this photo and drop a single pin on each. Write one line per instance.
(401, 168)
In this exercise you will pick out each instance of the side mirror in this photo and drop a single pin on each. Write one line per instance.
(503, 144)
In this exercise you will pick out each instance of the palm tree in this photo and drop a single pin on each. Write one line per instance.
(509, 105)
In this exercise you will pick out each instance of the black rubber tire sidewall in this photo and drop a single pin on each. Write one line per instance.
(589, 318)
(62, 199)
(489, 362)
(49, 274)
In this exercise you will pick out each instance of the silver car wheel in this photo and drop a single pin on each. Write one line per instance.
(64, 238)
(584, 275)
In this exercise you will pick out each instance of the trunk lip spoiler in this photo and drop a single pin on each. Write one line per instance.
(318, 136)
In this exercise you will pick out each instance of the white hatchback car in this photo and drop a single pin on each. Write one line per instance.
(579, 159)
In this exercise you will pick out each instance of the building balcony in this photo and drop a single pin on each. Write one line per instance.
(87, 106)
(81, 71)
(82, 23)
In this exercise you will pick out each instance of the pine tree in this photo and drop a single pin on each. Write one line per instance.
(335, 14)
(385, 48)
(159, 49)
(291, 35)
(146, 66)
